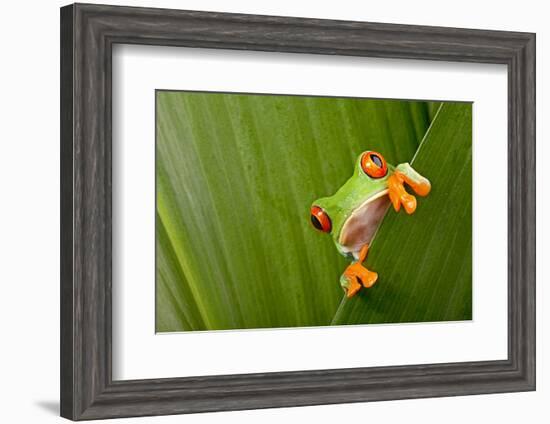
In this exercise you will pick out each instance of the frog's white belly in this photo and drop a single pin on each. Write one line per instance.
(360, 227)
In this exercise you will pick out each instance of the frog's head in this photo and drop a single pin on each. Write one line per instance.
(352, 214)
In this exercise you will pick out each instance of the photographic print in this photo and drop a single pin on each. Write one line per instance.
(296, 211)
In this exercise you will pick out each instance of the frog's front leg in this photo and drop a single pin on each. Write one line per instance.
(356, 275)
(404, 173)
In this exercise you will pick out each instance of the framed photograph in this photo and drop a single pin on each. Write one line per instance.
(264, 211)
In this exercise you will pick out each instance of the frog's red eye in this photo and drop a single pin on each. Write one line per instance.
(320, 219)
(373, 164)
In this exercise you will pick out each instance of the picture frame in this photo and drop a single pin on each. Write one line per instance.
(88, 33)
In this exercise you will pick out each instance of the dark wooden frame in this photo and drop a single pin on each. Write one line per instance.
(88, 33)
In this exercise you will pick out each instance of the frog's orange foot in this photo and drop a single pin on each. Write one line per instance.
(399, 196)
(356, 276)
(350, 285)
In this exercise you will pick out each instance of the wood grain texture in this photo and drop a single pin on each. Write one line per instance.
(66, 212)
(88, 33)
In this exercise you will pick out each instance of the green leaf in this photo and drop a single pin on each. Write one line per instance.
(424, 261)
(236, 175)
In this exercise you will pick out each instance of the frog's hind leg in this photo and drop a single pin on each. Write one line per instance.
(356, 275)
(363, 253)
(366, 277)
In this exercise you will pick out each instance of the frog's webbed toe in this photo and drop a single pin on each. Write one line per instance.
(399, 196)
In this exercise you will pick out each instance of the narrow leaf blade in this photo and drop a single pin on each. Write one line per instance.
(424, 261)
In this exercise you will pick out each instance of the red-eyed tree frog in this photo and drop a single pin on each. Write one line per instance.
(352, 215)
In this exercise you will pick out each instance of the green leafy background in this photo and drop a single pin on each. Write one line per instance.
(236, 175)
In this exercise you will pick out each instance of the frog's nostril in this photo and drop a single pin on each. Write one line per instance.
(320, 219)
